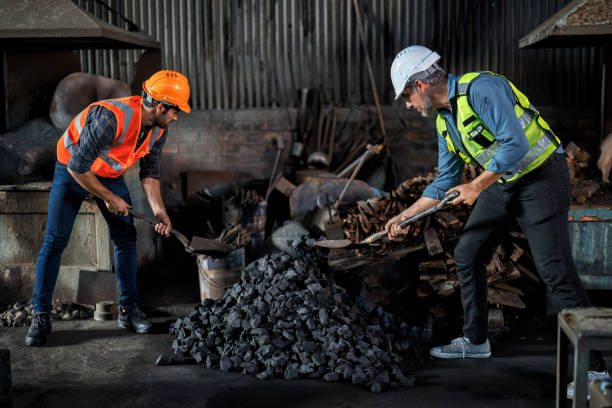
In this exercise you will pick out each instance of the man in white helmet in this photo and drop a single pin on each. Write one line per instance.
(483, 119)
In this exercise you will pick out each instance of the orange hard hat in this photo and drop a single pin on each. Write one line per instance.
(169, 86)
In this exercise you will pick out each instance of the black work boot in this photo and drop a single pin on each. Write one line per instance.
(39, 328)
(133, 319)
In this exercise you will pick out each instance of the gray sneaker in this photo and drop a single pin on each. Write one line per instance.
(461, 347)
(591, 375)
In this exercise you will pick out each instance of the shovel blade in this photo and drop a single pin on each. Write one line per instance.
(207, 246)
(334, 243)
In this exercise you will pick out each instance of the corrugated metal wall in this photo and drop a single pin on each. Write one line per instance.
(256, 53)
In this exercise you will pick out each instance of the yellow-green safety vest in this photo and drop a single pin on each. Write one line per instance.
(478, 141)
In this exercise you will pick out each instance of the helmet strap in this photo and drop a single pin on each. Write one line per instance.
(423, 74)
(151, 101)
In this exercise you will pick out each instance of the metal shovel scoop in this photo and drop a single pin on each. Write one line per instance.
(346, 243)
(198, 245)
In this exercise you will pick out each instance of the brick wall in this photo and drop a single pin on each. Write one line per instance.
(243, 140)
(230, 141)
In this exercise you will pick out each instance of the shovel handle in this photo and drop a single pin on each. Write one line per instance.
(453, 194)
(429, 211)
(179, 235)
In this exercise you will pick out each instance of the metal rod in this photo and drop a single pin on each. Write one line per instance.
(370, 72)
(602, 112)
(365, 156)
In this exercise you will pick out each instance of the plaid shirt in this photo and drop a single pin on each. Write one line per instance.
(99, 132)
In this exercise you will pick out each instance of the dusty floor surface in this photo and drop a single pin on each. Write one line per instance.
(94, 364)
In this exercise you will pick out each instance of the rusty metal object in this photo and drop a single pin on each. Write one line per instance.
(105, 310)
(63, 24)
(581, 22)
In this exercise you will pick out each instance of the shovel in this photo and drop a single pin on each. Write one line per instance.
(198, 245)
(346, 243)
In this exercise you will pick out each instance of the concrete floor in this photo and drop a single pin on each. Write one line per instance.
(94, 364)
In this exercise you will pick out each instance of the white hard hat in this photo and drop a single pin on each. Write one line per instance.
(411, 61)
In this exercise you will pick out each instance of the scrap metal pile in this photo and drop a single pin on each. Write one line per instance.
(241, 217)
(286, 319)
(234, 216)
(20, 313)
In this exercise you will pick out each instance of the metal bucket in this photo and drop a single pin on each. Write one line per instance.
(217, 275)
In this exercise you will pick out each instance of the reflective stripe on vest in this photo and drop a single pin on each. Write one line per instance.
(480, 144)
(127, 118)
(152, 140)
(71, 147)
(105, 156)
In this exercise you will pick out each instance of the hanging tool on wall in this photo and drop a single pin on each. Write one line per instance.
(280, 145)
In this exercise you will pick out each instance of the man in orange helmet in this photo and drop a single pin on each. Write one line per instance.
(101, 142)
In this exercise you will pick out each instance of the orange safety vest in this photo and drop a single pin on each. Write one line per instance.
(118, 157)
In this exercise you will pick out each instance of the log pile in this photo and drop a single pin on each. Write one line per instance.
(367, 217)
(431, 242)
(583, 176)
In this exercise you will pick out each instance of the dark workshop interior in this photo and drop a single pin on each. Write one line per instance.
(302, 152)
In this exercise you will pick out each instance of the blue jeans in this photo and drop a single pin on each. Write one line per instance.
(64, 202)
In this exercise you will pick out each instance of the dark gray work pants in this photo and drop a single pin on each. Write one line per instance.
(539, 202)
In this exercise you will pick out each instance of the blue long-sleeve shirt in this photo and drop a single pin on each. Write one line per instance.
(99, 132)
(493, 100)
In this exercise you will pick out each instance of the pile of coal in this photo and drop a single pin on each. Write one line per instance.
(20, 313)
(285, 319)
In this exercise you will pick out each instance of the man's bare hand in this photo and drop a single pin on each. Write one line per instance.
(395, 232)
(117, 205)
(165, 225)
(468, 193)
(605, 160)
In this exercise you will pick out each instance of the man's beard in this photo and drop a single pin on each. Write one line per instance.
(161, 126)
(428, 110)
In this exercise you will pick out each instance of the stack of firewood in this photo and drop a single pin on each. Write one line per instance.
(583, 175)
(367, 217)
(431, 241)
(510, 262)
